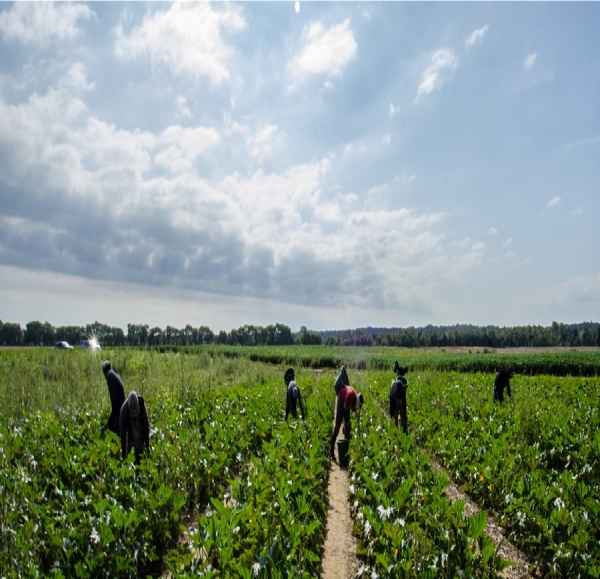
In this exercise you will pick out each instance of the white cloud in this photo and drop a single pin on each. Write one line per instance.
(355, 148)
(493, 231)
(182, 107)
(76, 78)
(442, 63)
(187, 38)
(583, 142)
(394, 110)
(387, 139)
(325, 52)
(476, 36)
(585, 288)
(508, 242)
(553, 201)
(262, 143)
(182, 146)
(297, 6)
(529, 61)
(38, 22)
(54, 139)
(405, 178)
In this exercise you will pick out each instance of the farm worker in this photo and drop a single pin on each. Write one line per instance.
(341, 380)
(116, 391)
(346, 401)
(134, 426)
(293, 398)
(501, 382)
(398, 396)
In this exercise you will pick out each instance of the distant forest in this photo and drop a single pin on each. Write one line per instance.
(558, 334)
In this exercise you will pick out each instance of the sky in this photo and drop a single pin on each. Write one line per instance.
(332, 165)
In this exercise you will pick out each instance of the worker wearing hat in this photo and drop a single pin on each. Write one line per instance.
(116, 391)
(398, 396)
(134, 426)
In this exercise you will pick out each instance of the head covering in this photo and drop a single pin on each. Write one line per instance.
(289, 376)
(105, 366)
(134, 404)
(400, 370)
(295, 392)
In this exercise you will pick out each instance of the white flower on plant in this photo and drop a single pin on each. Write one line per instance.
(94, 536)
(256, 569)
(351, 489)
(367, 528)
(374, 476)
(385, 513)
(559, 503)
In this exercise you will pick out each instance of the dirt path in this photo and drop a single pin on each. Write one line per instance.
(339, 552)
(496, 533)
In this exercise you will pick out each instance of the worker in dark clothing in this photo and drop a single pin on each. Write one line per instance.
(347, 400)
(501, 382)
(293, 398)
(134, 426)
(116, 391)
(398, 396)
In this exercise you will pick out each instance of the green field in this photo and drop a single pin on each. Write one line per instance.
(230, 490)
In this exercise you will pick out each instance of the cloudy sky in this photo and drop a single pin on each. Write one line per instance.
(328, 164)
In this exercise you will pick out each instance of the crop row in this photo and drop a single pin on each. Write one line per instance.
(405, 523)
(271, 522)
(534, 459)
(70, 507)
(566, 363)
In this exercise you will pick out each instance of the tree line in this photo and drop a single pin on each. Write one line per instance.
(557, 334)
(44, 334)
(569, 335)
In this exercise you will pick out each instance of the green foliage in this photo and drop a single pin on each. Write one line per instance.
(533, 459)
(229, 490)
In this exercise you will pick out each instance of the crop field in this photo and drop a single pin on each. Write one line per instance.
(231, 490)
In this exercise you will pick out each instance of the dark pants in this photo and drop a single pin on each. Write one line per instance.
(398, 408)
(341, 416)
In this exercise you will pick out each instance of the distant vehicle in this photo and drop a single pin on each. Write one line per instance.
(89, 345)
(63, 346)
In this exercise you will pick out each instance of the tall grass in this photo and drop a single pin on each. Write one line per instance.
(63, 382)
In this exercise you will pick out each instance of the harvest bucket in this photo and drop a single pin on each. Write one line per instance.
(343, 446)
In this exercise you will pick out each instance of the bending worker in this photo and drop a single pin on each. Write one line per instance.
(116, 391)
(398, 396)
(134, 426)
(292, 399)
(501, 382)
(346, 401)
